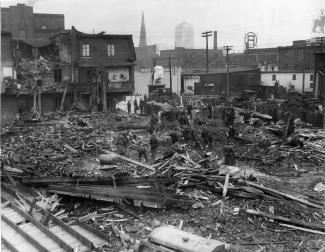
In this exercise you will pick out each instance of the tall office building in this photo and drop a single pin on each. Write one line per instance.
(184, 35)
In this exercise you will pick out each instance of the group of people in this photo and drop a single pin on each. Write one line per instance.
(125, 142)
(136, 106)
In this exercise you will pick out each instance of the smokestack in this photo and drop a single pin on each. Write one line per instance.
(215, 40)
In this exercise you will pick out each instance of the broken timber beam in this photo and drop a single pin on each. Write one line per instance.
(287, 220)
(167, 198)
(46, 181)
(273, 192)
(149, 167)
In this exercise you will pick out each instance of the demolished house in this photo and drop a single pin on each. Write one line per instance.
(88, 71)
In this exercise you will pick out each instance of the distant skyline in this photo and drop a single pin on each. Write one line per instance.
(277, 22)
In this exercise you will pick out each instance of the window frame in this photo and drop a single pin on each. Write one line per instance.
(273, 77)
(110, 48)
(294, 77)
(311, 77)
(85, 50)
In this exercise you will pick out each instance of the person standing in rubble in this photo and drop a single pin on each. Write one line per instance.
(229, 153)
(247, 117)
(290, 129)
(230, 116)
(129, 106)
(174, 137)
(153, 146)
(141, 106)
(275, 116)
(122, 144)
(153, 123)
(189, 110)
(209, 111)
(135, 104)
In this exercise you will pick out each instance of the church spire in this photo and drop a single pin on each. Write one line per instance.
(143, 38)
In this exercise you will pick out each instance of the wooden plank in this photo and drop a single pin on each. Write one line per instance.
(287, 196)
(149, 167)
(41, 237)
(23, 234)
(68, 238)
(95, 236)
(43, 228)
(287, 220)
(60, 223)
(9, 245)
(71, 231)
(225, 187)
(303, 229)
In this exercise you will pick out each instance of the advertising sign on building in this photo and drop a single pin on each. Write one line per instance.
(118, 75)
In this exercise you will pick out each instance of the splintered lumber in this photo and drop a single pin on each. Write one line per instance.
(175, 239)
(225, 187)
(295, 222)
(111, 194)
(119, 181)
(274, 192)
(302, 229)
(73, 150)
(149, 167)
(189, 160)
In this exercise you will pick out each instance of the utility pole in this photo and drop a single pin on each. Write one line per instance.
(206, 35)
(170, 77)
(304, 69)
(227, 49)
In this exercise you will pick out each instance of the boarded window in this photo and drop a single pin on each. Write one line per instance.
(85, 50)
(293, 77)
(110, 50)
(273, 77)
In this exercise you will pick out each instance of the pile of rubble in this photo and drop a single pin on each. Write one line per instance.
(73, 155)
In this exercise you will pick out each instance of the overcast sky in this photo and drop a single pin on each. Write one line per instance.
(277, 22)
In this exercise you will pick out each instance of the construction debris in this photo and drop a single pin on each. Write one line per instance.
(73, 156)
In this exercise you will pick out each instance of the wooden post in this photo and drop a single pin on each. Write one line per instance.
(39, 101)
(104, 89)
(34, 101)
(63, 97)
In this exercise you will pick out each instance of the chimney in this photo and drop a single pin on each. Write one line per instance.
(215, 40)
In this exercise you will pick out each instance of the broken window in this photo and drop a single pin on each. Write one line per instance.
(85, 50)
(110, 50)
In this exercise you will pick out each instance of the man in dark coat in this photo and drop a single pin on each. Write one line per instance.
(135, 103)
(141, 106)
(275, 116)
(153, 146)
(129, 107)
